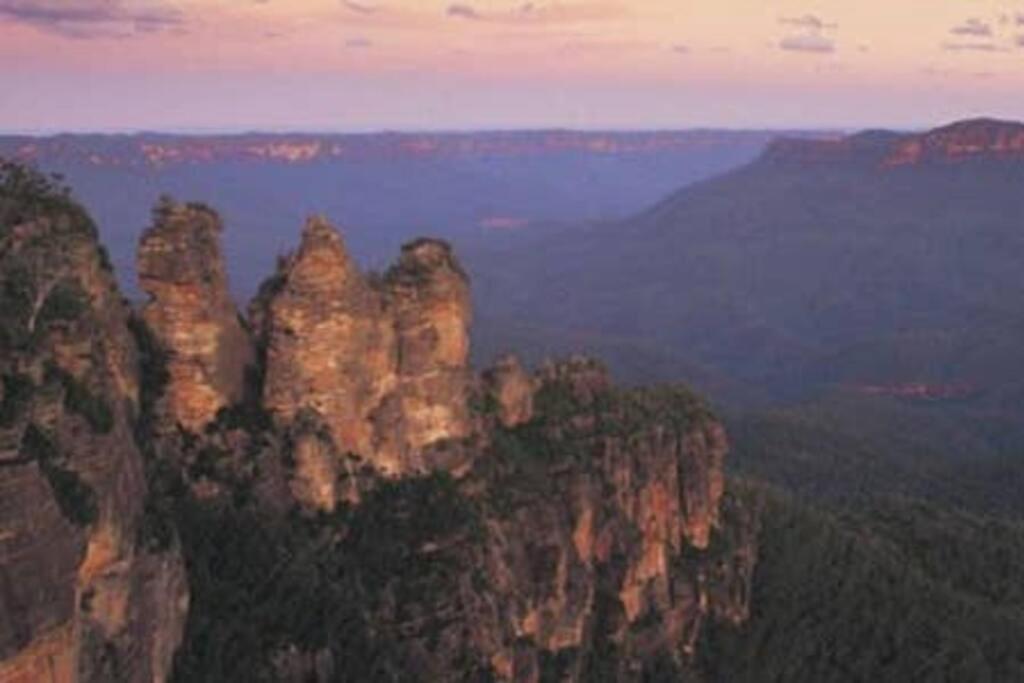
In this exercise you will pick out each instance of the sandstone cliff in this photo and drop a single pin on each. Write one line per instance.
(80, 598)
(591, 541)
(191, 315)
(382, 362)
(352, 503)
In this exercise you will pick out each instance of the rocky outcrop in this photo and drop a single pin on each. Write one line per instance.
(514, 527)
(81, 599)
(959, 142)
(621, 534)
(191, 315)
(428, 296)
(589, 542)
(330, 345)
(383, 363)
(509, 390)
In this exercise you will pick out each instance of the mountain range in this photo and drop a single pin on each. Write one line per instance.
(320, 486)
(383, 188)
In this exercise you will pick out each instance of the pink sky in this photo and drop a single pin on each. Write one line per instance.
(438, 64)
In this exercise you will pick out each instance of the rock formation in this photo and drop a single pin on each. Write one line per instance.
(191, 315)
(586, 530)
(513, 527)
(384, 363)
(510, 388)
(82, 596)
(428, 295)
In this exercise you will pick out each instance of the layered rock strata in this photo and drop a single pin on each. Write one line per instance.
(81, 598)
(382, 362)
(191, 315)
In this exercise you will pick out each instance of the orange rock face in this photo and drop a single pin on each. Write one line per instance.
(614, 526)
(511, 389)
(330, 347)
(428, 297)
(79, 591)
(961, 141)
(383, 363)
(191, 314)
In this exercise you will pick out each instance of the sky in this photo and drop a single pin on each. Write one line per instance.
(354, 65)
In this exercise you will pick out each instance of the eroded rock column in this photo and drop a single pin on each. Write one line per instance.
(191, 314)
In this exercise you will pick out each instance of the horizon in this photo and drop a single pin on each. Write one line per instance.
(243, 131)
(443, 65)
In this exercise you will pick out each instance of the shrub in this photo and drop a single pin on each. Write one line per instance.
(17, 394)
(75, 498)
(66, 303)
(78, 399)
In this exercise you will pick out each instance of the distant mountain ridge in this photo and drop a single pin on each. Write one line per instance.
(958, 142)
(160, 150)
(878, 259)
(385, 188)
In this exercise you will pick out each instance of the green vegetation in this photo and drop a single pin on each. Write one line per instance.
(900, 592)
(17, 393)
(260, 583)
(847, 450)
(76, 499)
(25, 193)
(66, 302)
(81, 401)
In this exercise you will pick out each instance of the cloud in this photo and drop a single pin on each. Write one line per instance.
(973, 27)
(359, 7)
(811, 22)
(681, 49)
(358, 43)
(1020, 41)
(972, 47)
(94, 18)
(539, 13)
(811, 43)
(460, 11)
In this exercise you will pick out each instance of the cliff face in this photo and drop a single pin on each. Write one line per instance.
(589, 542)
(358, 507)
(191, 315)
(80, 599)
(383, 363)
(985, 140)
(612, 500)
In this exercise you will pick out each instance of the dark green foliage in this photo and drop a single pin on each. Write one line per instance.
(400, 516)
(154, 378)
(17, 394)
(37, 445)
(76, 499)
(260, 582)
(26, 193)
(846, 449)
(556, 666)
(661, 668)
(256, 583)
(66, 303)
(164, 487)
(81, 401)
(17, 287)
(899, 593)
(483, 404)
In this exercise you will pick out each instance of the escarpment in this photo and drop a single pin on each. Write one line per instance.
(352, 503)
(83, 597)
